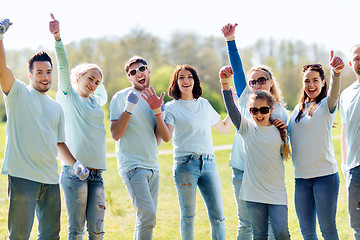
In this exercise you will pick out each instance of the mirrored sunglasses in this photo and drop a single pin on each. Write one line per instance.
(262, 110)
(316, 66)
(134, 71)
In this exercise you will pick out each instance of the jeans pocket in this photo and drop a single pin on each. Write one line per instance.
(130, 174)
(182, 160)
(69, 173)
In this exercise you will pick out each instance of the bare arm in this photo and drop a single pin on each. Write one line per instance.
(118, 127)
(6, 76)
(223, 126)
(337, 65)
(65, 154)
(162, 130)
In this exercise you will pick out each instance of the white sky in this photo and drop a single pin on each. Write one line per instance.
(331, 23)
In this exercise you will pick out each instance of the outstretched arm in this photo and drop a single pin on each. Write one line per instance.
(64, 82)
(337, 65)
(6, 76)
(234, 57)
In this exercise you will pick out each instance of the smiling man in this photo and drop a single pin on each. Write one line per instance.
(34, 133)
(133, 127)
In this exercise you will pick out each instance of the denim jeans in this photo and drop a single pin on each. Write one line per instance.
(194, 171)
(317, 196)
(260, 213)
(85, 200)
(143, 189)
(26, 196)
(353, 185)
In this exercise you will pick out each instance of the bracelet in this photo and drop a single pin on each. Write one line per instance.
(230, 38)
(224, 80)
(158, 114)
(128, 112)
(157, 111)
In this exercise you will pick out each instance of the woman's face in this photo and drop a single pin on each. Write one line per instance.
(185, 82)
(260, 111)
(88, 82)
(312, 84)
(259, 83)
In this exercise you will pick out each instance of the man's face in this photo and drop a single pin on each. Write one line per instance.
(355, 61)
(139, 76)
(41, 75)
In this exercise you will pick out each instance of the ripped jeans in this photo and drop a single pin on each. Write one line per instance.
(85, 200)
(194, 171)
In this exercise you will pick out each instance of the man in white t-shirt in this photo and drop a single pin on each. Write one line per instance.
(34, 134)
(350, 141)
(133, 127)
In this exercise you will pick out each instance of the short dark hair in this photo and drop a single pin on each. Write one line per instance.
(134, 59)
(39, 57)
(174, 91)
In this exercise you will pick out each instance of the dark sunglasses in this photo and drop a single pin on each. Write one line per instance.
(315, 66)
(262, 110)
(140, 69)
(260, 81)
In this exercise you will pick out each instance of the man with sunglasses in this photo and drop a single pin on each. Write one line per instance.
(133, 127)
(350, 141)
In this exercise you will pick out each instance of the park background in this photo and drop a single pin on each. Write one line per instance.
(284, 35)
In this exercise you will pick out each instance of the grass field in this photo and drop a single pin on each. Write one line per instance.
(120, 215)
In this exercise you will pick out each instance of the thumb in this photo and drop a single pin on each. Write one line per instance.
(162, 96)
(331, 54)
(52, 16)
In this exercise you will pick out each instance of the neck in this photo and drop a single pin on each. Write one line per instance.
(187, 96)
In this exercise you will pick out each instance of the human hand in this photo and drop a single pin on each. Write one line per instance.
(80, 170)
(225, 73)
(229, 31)
(155, 103)
(279, 123)
(131, 101)
(336, 63)
(54, 27)
(4, 26)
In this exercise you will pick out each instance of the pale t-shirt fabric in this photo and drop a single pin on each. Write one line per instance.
(192, 121)
(35, 124)
(350, 115)
(312, 147)
(84, 118)
(138, 146)
(264, 175)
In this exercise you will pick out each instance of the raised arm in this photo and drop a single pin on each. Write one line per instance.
(234, 57)
(6, 76)
(337, 65)
(64, 82)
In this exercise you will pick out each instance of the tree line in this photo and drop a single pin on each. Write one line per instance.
(206, 54)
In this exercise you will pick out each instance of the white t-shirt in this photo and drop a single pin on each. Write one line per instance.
(312, 147)
(34, 127)
(138, 146)
(192, 121)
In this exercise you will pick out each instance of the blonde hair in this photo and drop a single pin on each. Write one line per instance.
(81, 69)
(275, 89)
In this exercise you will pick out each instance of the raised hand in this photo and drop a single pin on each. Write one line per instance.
(225, 73)
(80, 170)
(155, 103)
(4, 26)
(54, 27)
(336, 63)
(229, 31)
(131, 101)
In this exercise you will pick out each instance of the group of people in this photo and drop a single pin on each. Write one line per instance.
(40, 129)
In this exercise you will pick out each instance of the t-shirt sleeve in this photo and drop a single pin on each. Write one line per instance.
(169, 117)
(116, 107)
(214, 116)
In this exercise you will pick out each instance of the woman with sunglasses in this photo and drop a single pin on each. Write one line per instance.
(315, 166)
(85, 136)
(188, 120)
(259, 78)
(263, 188)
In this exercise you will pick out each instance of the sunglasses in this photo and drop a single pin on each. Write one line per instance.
(262, 110)
(315, 66)
(260, 81)
(134, 71)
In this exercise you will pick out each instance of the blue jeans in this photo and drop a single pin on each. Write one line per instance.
(317, 196)
(194, 171)
(353, 185)
(26, 196)
(260, 213)
(85, 200)
(143, 189)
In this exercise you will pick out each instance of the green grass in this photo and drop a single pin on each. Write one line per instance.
(120, 215)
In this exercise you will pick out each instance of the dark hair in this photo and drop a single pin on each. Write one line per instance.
(133, 60)
(174, 91)
(303, 97)
(39, 57)
(271, 101)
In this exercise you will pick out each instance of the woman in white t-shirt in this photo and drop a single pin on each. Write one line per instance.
(315, 166)
(189, 118)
